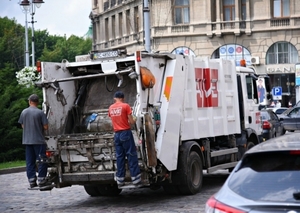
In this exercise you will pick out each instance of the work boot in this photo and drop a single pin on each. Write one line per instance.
(33, 184)
(44, 182)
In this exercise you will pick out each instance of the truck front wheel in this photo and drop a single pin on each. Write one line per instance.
(191, 173)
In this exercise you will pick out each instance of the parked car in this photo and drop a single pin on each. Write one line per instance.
(290, 119)
(266, 179)
(271, 125)
(279, 110)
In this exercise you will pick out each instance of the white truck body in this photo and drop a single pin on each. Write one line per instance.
(197, 113)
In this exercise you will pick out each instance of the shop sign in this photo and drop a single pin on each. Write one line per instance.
(277, 68)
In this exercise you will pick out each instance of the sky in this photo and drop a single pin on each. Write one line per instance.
(58, 17)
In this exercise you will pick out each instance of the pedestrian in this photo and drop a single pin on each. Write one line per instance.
(34, 122)
(121, 117)
(278, 104)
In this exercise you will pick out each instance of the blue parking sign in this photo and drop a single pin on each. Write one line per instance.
(277, 93)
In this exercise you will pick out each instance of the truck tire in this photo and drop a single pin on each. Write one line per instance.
(191, 171)
(109, 189)
(92, 190)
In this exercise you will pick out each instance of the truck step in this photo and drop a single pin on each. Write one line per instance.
(130, 185)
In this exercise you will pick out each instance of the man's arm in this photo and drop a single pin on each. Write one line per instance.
(45, 127)
(131, 119)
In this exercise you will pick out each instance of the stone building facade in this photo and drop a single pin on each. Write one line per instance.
(266, 33)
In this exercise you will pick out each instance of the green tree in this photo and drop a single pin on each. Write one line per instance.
(67, 49)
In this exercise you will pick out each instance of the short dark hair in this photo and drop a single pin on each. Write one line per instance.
(33, 98)
(119, 94)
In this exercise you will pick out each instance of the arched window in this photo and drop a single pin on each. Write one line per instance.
(234, 52)
(282, 53)
(183, 50)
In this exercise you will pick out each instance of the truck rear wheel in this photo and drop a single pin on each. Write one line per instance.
(109, 189)
(92, 190)
(191, 173)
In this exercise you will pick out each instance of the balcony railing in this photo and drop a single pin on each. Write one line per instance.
(280, 22)
(180, 29)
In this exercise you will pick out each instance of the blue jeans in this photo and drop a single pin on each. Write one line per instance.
(125, 147)
(33, 154)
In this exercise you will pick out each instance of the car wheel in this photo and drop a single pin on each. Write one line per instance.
(283, 131)
(250, 144)
(291, 130)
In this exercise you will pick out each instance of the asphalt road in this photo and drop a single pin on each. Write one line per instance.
(15, 197)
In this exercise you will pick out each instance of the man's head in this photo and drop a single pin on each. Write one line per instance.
(119, 95)
(34, 98)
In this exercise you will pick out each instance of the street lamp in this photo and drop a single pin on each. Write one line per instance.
(29, 6)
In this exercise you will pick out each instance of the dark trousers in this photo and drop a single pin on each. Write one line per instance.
(34, 153)
(125, 147)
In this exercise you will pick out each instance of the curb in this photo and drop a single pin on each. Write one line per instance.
(12, 170)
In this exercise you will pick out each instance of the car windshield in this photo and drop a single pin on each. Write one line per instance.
(273, 176)
(286, 112)
(264, 115)
(280, 110)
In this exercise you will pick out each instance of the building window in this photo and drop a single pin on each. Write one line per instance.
(105, 5)
(120, 25)
(233, 52)
(136, 20)
(244, 14)
(113, 26)
(229, 10)
(281, 8)
(112, 3)
(282, 53)
(181, 11)
(128, 24)
(95, 3)
(106, 31)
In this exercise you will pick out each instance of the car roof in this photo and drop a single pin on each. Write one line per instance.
(283, 143)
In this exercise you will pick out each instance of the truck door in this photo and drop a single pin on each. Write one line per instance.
(58, 95)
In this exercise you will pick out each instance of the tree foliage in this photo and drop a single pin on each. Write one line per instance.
(13, 96)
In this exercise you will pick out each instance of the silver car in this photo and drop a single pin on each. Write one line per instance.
(290, 119)
(267, 179)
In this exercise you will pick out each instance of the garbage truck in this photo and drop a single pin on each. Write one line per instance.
(193, 115)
